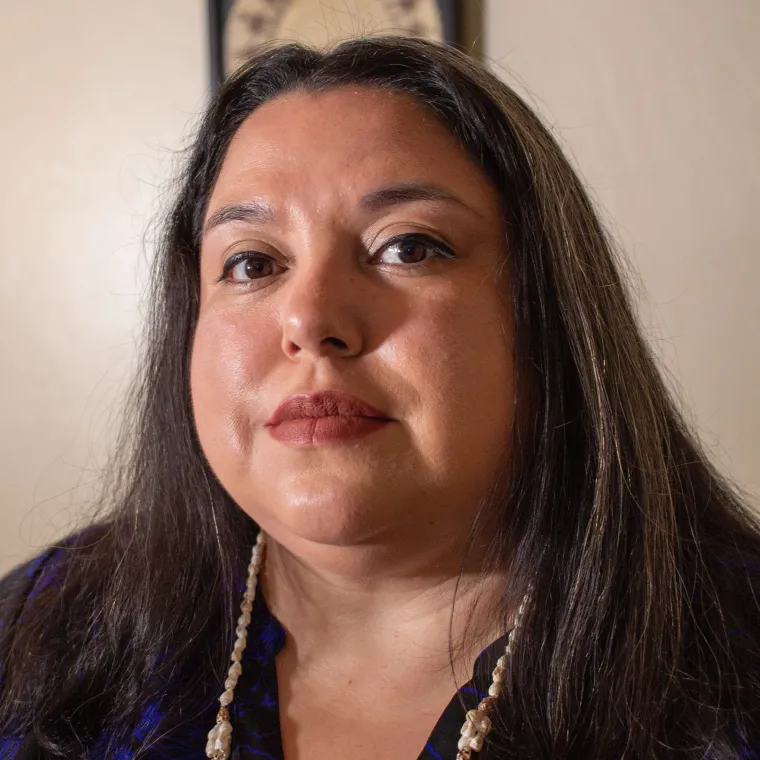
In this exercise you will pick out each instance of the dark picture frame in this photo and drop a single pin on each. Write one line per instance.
(454, 20)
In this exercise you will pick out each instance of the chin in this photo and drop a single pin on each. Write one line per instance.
(329, 514)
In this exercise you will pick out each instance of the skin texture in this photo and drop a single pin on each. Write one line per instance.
(366, 536)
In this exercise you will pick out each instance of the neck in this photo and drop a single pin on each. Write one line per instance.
(417, 607)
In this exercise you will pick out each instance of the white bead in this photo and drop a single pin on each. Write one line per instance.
(480, 720)
(226, 698)
(219, 737)
(476, 742)
(211, 740)
(468, 730)
(218, 744)
(225, 730)
(478, 724)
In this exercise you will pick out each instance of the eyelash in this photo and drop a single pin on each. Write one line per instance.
(440, 250)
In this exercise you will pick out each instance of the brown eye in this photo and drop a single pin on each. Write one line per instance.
(244, 267)
(414, 249)
(410, 252)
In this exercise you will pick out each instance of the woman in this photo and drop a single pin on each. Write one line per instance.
(391, 350)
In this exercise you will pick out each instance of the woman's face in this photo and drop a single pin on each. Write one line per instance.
(351, 244)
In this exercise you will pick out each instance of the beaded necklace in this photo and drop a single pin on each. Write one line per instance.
(477, 723)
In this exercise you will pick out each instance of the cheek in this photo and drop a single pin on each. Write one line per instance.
(458, 355)
(225, 380)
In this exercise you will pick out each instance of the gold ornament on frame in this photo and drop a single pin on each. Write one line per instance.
(238, 27)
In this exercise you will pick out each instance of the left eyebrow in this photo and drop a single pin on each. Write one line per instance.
(409, 192)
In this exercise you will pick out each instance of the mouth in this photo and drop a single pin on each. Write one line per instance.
(324, 417)
(324, 430)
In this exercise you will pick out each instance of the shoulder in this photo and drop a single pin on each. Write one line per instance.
(16, 588)
(19, 585)
(24, 591)
(47, 570)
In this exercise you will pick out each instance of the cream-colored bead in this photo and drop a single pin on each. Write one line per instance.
(211, 742)
(478, 725)
(476, 743)
(480, 720)
(464, 742)
(226, 698)
(219, 738)
(468, 730)
(225, 731)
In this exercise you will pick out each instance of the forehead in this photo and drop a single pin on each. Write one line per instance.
(342, 143)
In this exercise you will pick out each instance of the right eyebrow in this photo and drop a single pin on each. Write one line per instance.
(254, 212)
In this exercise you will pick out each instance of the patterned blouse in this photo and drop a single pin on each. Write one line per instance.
(254, 713)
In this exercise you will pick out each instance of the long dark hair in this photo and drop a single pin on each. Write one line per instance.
(643, 634)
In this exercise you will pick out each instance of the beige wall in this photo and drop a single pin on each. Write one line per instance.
(659, 101)
(93, 98)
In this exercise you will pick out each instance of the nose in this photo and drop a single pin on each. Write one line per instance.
(321, 312)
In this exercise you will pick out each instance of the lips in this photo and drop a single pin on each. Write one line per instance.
(324, 417)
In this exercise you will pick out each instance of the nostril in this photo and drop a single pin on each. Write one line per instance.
(337, 342)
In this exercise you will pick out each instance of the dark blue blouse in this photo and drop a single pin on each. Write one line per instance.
(254, 713)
